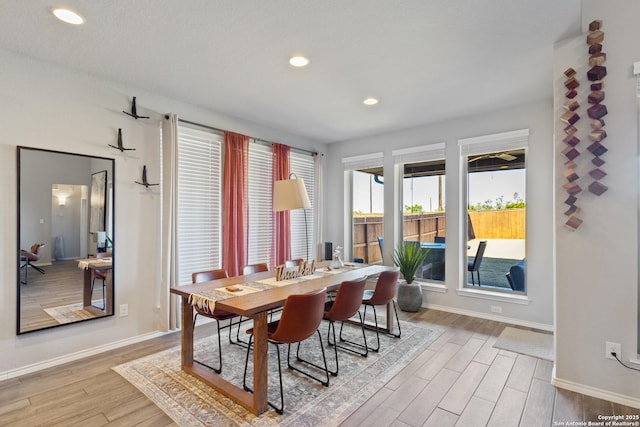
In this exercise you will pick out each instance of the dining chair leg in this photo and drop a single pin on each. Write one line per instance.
(238, 340)
(375, 316)
(279, 410)
(246, 363)
(299, 359)
(219, 369)
(357, 344)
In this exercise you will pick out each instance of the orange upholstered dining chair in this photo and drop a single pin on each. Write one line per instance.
(293, 262)
(383, 294)
(301, 316)
(217, 315)
(255, 268)
(346, 304)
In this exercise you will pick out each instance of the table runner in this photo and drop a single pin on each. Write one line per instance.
(84, 263)
(207, 299)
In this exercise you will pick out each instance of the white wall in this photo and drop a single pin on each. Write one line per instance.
(597, 270)
(48, 106)
(538, 118)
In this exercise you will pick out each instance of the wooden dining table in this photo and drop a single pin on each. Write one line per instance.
(255, 306)
(89, 265)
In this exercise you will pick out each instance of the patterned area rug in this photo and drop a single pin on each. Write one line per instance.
(72, 312)
(190, 402)
(531, 343)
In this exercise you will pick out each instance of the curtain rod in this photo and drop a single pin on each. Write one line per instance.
(258, 140)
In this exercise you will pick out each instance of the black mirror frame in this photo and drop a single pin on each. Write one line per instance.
(19, 149)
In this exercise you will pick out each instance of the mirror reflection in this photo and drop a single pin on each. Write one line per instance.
(65, 238)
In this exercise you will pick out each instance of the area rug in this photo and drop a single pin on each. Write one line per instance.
(190, 402)
(72, 312)
(522, 341)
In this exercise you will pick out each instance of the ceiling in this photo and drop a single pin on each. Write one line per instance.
(426, 60)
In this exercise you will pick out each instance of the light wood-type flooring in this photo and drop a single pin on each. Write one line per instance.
(459, 380)
(62, 284)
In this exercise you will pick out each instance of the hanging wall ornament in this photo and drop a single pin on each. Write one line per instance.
(570, 117)
(597, 110)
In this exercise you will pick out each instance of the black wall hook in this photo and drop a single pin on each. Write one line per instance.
(145, 182)
(120, 146)
(134, 111)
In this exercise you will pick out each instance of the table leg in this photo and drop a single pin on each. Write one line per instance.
(86, 291)
(187, 333)
(260, 358)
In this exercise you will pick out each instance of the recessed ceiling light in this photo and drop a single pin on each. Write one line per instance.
(68, 16)
(370, 101)
(299, 61)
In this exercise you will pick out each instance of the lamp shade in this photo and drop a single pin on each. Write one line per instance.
(290, 194)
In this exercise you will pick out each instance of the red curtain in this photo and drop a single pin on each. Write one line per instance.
(281, 249)
(235, 202)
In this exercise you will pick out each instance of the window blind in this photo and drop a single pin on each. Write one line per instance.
(260, 203)
(364, 161)
(303, 166)
(422, 153)
(199, 199)
(495, 142)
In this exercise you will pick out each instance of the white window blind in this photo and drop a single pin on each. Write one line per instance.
(364, 161)
(199, 200)
(494, 143)
(303, 166)
(260, 203)
(423, 153)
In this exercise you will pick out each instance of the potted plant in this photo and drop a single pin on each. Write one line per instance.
(409, 256)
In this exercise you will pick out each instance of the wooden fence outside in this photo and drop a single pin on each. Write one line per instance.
(424, 227)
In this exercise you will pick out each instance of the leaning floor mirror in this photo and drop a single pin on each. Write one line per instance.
(65, 238)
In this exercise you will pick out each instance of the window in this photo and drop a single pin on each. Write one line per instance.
(423, 204)
(367, 206)
(198, 194)
(496, 210)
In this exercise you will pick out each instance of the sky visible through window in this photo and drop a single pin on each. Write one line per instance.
(483, 186)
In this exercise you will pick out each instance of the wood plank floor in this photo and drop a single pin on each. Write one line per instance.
(459, 380)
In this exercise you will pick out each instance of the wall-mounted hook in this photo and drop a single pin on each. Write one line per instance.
(134, 111)
(145, 182)
(120, 146)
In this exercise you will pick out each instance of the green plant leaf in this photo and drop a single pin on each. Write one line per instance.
(409, 256)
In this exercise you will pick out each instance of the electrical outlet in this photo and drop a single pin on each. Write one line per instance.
(124, 310)
(613, 347)
(496, 309)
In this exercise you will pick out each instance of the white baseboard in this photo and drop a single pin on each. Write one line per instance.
(12, 373)
(498, 318)
(633, 402)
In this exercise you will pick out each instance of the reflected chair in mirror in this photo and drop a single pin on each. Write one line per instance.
(474, 266)
(383, 294)
(293, 262)
(32, 255)
(255, 268)
(217, 315)
(301, 317)
(346, 304)
(100, 275)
